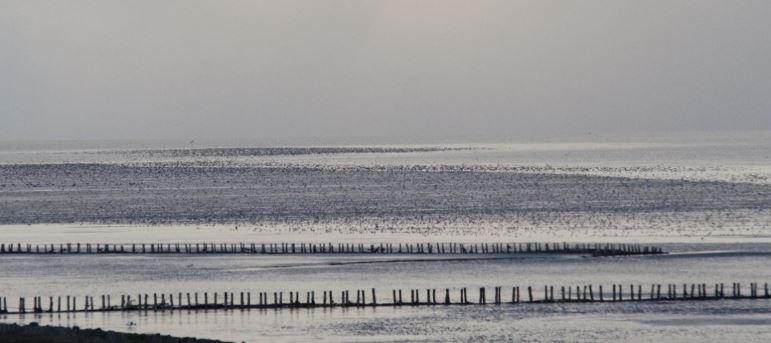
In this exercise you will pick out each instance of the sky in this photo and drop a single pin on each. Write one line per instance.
(329, 68)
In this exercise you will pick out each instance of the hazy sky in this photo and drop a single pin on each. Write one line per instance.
(187, 69)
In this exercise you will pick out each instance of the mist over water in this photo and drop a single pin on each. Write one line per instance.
(409, 69)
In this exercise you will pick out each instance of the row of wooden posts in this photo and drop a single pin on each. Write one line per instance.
(602, 249)
(227, 300)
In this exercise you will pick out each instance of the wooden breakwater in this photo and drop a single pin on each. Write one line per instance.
(369, 298)
(596, 249)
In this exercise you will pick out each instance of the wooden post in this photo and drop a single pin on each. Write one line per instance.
(513, 295)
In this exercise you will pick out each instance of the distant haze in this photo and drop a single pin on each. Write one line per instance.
(188, 69)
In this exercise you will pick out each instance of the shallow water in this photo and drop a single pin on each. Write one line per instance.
(52, 275)
(707, 321)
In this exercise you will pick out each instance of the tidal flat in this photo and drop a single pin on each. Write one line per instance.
(707, 203)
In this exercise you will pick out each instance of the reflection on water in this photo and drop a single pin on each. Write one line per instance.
(742, 320)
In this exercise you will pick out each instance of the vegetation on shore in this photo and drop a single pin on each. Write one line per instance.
(34, 333)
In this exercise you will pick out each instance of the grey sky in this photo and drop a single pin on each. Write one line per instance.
(152, 69)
